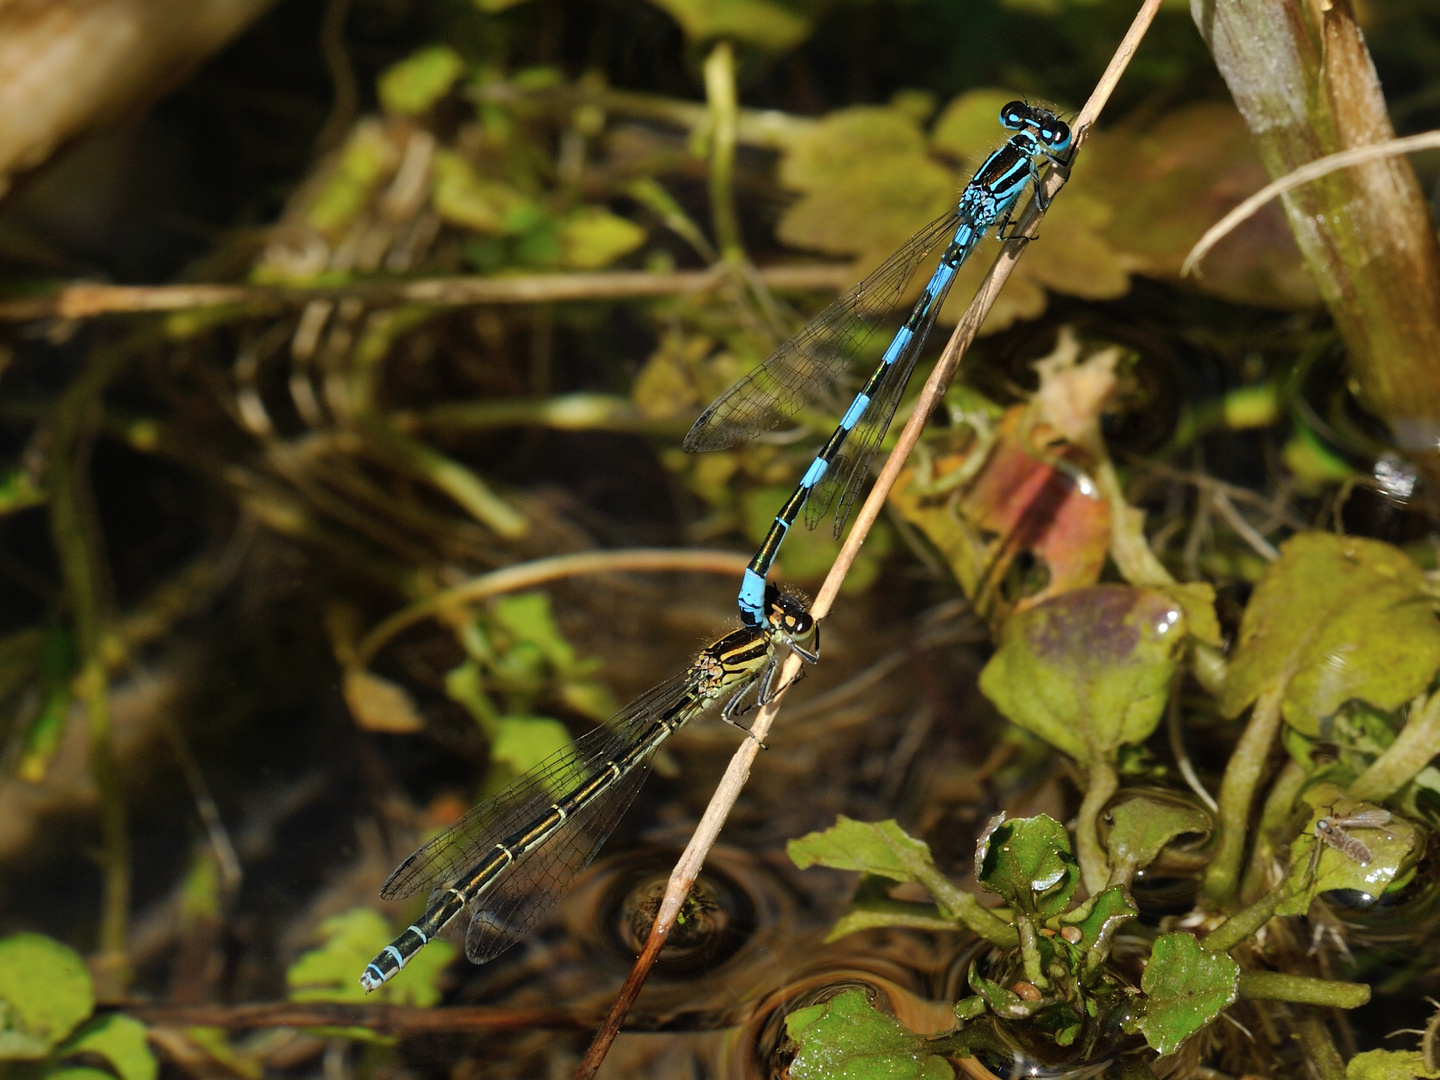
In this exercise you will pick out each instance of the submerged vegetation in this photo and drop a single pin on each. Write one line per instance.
(323, 528)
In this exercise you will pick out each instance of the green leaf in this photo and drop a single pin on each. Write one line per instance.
(872, 907)
(592, 237)
(1141, 827)
(1028, 862)
(490, 207)
(421, 79)
(1391, 849)
(1099, 917)
(1334, 618)
(120, 1040)
(45, 991)
(881, 848)
(366, 159)
(528, 618)
(1389, 1065)
(522, 742)
(1185, 988)
(1088, 670)
(763, 23)
(846, 1039)
(18, 491)
(968, 129)
(78, 1072)
(352, 938)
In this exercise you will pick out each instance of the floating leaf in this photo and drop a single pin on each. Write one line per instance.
(352, 938)
(377, 704)
(421, 79)
(881, 848)
(1185, 988)
(1017, 502)
(1334, 618)
(1384, 851)
(845, 1038)
(1028, 862)
(763, 23)
(592, 237)
(1100, 917)
(1141, 827)
(121, 1041)
(1089, 670)
(1389, 1065)
(45, 991)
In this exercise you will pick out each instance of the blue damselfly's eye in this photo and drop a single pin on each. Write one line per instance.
(1014, 115)
(1055, 135)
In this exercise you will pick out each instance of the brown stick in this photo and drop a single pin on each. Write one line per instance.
(693, 858)
(382, 1019)
(86, 301)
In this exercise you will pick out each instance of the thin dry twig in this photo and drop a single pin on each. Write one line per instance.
(1359, 155)
(87, 301)
(381, 1019)
(693, 858)
(536, 572)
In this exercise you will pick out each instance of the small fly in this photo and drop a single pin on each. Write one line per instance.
(1330, 830)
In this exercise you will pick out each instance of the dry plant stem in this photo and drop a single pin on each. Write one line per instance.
(529, 574)
(87, 301)
(1237, 792)
(708, 830)
(381, 1019)
(1303, 79)
(1306, 174)
(75, 535)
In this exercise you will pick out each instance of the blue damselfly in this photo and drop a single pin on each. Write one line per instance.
(495, 873)
(811, 361)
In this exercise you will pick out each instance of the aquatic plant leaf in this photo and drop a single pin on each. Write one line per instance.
(1389, 1065)
(367, 157)
(45, 991)
(1089, 670)
(351, 940)
(1000, 1000)
(762, 23)
(1386, 851)
(78, 1072)
(1014, 503)
(489, 207)
(591, 237)
(523, 742)
(121, 1041)
(1100, 916)
(377, 704)
(1185, 987)
(528, 618)
(880, 847)
(421, 79)
(1334, 618)
(845, 1038)
(1028, 862)
(1141, 827)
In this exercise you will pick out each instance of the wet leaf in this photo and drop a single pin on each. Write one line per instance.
(1391, 849)
(1185, 988)
(1000, 1000)
(881, 848)
(377, 704)
(45, 991)
(1089, 670)
(1141, 827)
(368, 157)
(1334, 618)
(352, 938)
(845, 1038)
(490, 207)
(1389, 1065)
(1018, 503)
(592, 237)
(762, 23)
(1100, 916)
(1028, 862)
(421, 79)
(119, 1040)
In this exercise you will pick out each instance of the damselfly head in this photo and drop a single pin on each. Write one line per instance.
(787, 615)
(1015, 115)
(1054, 133)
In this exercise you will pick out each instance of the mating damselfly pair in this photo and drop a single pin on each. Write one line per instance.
(495, 873)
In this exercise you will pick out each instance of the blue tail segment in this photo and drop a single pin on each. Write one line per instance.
(815, 358)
